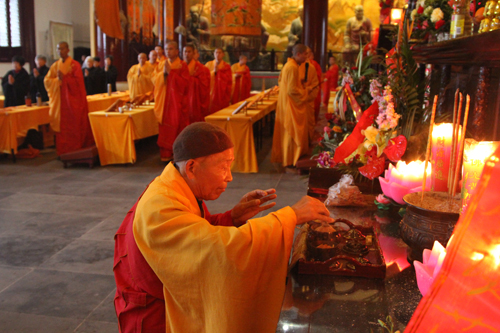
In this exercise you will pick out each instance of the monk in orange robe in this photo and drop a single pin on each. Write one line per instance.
(332, 77)
(160, 54)
(319, 73)
(68, 103)
(171, 81)
(221, 82)
(139, 77)
(153, 59)
(242, 83)
(179, 268)
(198, 97)
(312, 83)
(291, 137)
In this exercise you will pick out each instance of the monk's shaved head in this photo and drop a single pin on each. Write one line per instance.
(142, 58)
(63, 44)
(175, 44)
(299, 48)
(63, 50)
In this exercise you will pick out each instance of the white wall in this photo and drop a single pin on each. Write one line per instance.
(76, 12)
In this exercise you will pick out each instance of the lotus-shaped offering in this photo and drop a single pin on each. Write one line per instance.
(427, 270)
(403, 179)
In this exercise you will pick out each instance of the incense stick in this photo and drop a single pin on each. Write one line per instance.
(453, 141)
(429, 143)
(461, 150)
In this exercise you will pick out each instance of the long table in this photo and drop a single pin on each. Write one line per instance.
(240, 129)
(16, 120)
(114, 133)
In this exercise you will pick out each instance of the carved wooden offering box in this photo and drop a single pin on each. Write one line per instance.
(339, 248)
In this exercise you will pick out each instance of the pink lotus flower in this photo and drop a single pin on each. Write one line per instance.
(427, 270)
(327, 129)
(382, 199)
(403, 179)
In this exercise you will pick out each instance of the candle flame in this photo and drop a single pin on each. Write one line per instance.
(444, 130)
(415, 168)
(479, 150)
(476, 256)
(495, 253)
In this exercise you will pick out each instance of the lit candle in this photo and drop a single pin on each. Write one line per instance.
(403, 179)
(427, 270)
(475, 155)
(442, 135)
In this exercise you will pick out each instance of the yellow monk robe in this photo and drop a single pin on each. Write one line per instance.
(290, 140)
(221, 82)
(242, 85)
(312, 81)
(215, 278)
(140, 84)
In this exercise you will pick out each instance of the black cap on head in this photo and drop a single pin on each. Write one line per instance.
(98, 59)
(199, 140)
(19, 59)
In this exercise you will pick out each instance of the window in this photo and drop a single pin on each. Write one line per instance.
(17, 29)
(10, 32)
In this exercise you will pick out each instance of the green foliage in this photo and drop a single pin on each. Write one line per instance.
(406, 85)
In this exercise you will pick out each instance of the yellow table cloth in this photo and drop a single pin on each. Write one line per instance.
(240, 129)
(15, 121)
(2, 101)
(114, 133)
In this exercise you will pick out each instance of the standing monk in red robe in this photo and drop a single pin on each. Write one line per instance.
(198, 97)
(317, 101)
(68, 103)
(171, 81)
(332, 77)
(221, 82)
(242, 82)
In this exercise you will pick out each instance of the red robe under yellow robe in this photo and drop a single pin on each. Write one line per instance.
(214, 278)
(290, 140)
(68, 107)
(170, 103)
(221, 82)
(140, 84)
(198, 92)
(241, 85)
(332, 77)
(317, 101)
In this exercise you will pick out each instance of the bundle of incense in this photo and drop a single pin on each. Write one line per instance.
(457, 113)
(429, 143)
(461, 148)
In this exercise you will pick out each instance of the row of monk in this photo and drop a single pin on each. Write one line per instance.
(186, 91)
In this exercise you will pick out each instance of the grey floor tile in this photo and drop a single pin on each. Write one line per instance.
(74, 188)
(58, 294)
(84, 256)
(61, 225)
(28, 251)
(27, 323)
(105, 311)
(112, 189)
(13, 220)
(106, 229)
(33, 202)
(96, 206)
(91, 326)
(5, 194)
(9, 275)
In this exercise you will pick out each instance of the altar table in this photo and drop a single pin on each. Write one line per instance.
(240, 130)
(114, 133)
(16, 120)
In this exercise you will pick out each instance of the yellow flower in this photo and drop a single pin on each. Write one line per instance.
(337, 129)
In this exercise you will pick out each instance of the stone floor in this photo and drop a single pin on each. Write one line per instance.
(57, 227)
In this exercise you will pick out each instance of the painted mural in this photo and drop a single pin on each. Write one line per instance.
(277, 17)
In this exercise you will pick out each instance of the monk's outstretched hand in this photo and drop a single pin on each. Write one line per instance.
(308, 209)
(251, 204)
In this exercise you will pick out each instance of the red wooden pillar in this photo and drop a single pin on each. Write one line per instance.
(180, 19)
(316, 29)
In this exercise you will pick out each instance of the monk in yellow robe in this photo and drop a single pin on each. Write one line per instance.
(242, 81)
(290, 140)
(153, 59)
(221, 82)
(180, 269)
(139, 77)
(160, 53)
(68, 103)
(311, 82)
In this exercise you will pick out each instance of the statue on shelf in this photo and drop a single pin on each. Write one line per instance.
(357, 31)
(295, 34)
(197, 27)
